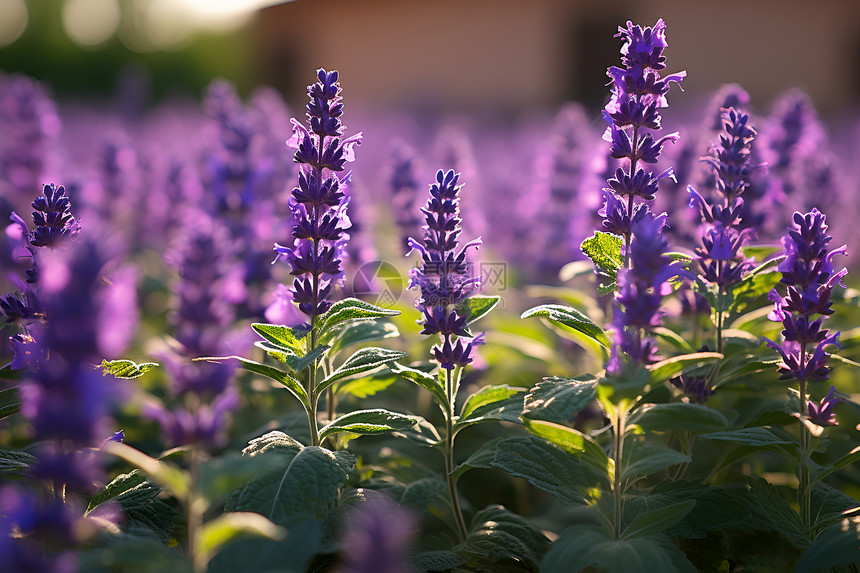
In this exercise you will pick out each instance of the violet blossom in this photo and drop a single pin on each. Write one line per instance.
(638, 93)
(319, 203)
(809, 274)
(444, 277)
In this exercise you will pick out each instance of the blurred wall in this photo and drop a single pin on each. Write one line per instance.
(506, 54)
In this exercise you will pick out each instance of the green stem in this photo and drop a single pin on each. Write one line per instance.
(462, 531)
(194, 506)
(803, 490)
(313, 397)
(618, 449)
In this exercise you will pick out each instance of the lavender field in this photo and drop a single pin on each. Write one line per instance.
(243, 337)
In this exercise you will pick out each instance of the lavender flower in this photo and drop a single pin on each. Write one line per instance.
(640, 292)
(719, 257)
(638, 92)
(378, 537)
(443, 277)
(810, 276)
(404, 191)
(319, 203)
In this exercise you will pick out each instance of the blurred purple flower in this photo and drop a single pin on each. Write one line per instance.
(378, 537)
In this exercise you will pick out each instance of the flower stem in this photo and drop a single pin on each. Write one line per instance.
(803, 491)
(194, 506)
(449, 458)
(618, 449)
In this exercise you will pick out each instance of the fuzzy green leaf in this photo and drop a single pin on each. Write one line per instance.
(137, 495)
(666, 369)
(583, 546)
(574, 442)
(645, 459)
(658, 520)
(228, 526)
(678, 416)
(364, 360)
(758, 436)
(492, 403)
(777, 509)
(604, 250)
(360, 332)
(350, 310)
(126, 369)
(559, 399)
(368, 423)
(551, 469)
(282, 336)
(10, 402)
(14, 460)
(500, 540)
(423, 379)
(477, 306)
(294, 386)
(836, 545)
(566, 316)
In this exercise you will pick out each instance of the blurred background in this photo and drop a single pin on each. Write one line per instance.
(474, 56)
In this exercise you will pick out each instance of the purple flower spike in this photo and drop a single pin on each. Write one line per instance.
(638, 93)
(725, 231)
(809, 274)
(443, 277)
(320, 201)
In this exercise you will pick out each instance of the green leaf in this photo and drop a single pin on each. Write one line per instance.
(137, 495)
(300, 363)
(366, 385)
(758, 436)
(226, 527)
(274, 441)
(351, 310)
(500, 540)
(559, 399)
(645, 459)
(575, 442)
(305, 485)
(10, 402)
(423, 379)
(439, 560)
(604, 250)
(6, 373)
(678, 416)
(481, 458)
(167, 475)
(277, 352)
(14, 460)
(126, 369)
(254, 555)
(658, 520)
(837, 545)
(671, 367)
(715, 508)
(830, 506)
(364, 360)
(282, 336)
(584, 545)
(228, 472)
(477, 306)
(551, 469)
(294, 386)
(368, 423)
(781, 514)
(360, 332)
(566, 316)
(847, 459)
(492, 403)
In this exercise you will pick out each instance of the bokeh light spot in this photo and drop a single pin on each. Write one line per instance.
(14, 20)
(91, 22)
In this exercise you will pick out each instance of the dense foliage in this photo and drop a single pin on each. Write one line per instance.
(212, 360)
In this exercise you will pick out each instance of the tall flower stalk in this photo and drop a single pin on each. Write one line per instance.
(721, 262)
(810, 277)
(319, 206)
(445, 282)
(638, 93)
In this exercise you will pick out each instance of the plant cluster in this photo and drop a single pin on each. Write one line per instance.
(678, 406)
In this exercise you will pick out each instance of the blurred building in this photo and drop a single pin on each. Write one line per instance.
(510, 54)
